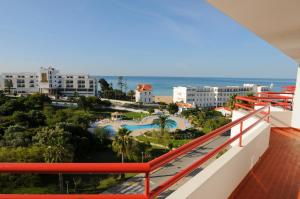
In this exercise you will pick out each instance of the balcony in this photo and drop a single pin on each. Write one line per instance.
(250, 161)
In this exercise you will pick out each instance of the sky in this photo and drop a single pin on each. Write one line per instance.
(133, 37)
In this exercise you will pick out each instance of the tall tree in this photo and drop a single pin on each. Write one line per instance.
(104, 85)
(121, 83)
(57, 146)
(162, 122)
(231, 102)
(172, 108)
(122, 143)
(83, 103)
(8, 84)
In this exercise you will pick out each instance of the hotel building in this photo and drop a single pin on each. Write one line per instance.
(143, 93)
(49, 81)
(208, 96)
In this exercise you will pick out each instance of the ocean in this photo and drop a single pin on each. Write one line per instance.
(164, 85)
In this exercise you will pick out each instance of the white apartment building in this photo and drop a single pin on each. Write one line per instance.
(208, 96)
(19, 82)
(143, 93)
(49, 81)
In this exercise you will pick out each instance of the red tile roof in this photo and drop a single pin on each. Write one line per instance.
(144, 87)
(225, 108)
(277, 174)
(184, 105)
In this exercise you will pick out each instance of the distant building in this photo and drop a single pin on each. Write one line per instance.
(213, 96)
(49, 81)
(143, 93)
(184, 106)
(224, 110)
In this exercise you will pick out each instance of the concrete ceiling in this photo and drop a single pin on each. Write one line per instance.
(275, 21)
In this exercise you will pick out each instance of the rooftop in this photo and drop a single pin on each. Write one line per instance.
(144, 87)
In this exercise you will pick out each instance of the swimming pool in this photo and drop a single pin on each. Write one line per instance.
(110, 130)
(170, 124)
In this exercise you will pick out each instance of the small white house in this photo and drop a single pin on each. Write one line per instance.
(224, 110)
(143, 93)
(184, 106)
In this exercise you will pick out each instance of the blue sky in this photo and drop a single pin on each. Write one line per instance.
(133, 37)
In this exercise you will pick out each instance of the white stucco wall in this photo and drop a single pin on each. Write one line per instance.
(281, 118)
(296, 103)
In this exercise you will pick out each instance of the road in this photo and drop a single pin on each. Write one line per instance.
(136, 184)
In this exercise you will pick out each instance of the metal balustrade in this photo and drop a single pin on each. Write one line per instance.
(145, 168)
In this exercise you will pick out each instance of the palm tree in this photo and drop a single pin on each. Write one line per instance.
(231, 102)
(57, 147)
(162, 122)
(122, 143)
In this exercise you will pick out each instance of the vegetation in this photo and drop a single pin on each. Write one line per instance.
(205, 119)
(171, 139)
(172, 108)
(162, 122)
(134, 115)
(122, 143)
(120, 93)
(31, 130)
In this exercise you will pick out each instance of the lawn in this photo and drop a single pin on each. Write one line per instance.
(162, 141)
(135, 116)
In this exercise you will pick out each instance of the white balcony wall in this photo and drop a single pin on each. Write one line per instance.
(296, 103)
(221, 177)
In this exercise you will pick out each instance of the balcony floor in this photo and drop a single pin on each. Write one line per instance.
(277, 174)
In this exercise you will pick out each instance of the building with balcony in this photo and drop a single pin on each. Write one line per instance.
(20, 83)
(260, 159)
(208, 96)
(49, 81)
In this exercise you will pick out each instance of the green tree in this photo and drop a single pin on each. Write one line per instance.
(150, 110)
(16, 136)
(172, 108)
(162, 122)
(57, 146)
(131, 94)
(101, 134)
(104, 85)
(121, 83)
(122, 143)
(21, 118)
(83, 103)
(231, 102)
(8, 84)
(37, 118)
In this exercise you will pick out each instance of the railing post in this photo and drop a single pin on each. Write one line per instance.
(147, 185)
(241, 134)
(269, 112)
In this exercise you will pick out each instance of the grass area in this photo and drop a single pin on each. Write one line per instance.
(135, 116)
(112, 181)
(35, 190)
(162, 141)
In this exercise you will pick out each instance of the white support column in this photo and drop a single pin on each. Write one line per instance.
(296, 106)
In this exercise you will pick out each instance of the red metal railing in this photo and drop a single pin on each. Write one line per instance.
(146, 168)
(275, 99)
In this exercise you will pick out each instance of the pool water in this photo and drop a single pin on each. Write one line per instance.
(170, 124)
(110, 130)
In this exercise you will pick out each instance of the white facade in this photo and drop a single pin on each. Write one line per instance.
(143, 93)
(50, 81)
(212, 96)
(21, 82)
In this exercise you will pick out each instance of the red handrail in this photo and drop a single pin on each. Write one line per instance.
(273, 98)
(131, 167)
